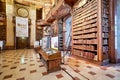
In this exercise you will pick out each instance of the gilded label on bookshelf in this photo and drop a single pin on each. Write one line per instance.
(81, 3)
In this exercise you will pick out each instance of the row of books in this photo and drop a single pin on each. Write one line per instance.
(86, 36)
(86, 18)
(88, 55)
(89, 6)
(90, 41)
(86, 12)
(104, 10)
(105, 24)
(105, 41)
(85, 23)
(105, 29)
(105, 35)
(77, 28)
(85, 31)
(2, 17)
(86, 47)
(105, 48)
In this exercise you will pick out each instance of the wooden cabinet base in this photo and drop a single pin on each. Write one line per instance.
(51, 62)
(53, 65)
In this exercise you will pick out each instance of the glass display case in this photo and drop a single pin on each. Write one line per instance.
(51, 59)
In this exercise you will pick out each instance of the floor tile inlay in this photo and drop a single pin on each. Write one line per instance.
(25, 64)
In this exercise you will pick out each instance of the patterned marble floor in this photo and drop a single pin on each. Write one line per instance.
(26, 65)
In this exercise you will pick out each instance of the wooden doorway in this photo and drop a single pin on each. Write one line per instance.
(22, 42)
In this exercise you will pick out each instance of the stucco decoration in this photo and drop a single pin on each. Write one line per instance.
(22, 12)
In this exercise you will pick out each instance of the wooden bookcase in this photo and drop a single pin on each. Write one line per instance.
(3, 21)
(60, 35)
(90, 27)
(39, 31)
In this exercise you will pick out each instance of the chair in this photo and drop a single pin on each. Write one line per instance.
(1, 45)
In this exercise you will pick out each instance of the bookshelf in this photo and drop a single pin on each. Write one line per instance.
(39, 31)
(60, 35)
(3, 21)
(90, 29)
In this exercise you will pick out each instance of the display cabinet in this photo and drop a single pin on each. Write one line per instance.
(51, 59)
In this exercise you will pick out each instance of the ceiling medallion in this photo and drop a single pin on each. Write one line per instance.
(22, 12)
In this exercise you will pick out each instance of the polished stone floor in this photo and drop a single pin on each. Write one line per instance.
(26, 65)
